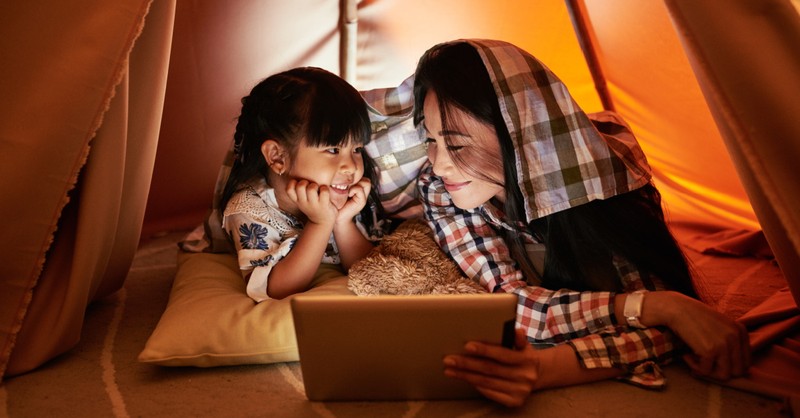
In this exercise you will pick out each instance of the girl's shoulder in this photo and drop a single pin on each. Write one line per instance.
(253, 197)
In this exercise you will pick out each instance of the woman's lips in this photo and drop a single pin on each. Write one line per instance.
(454, 187)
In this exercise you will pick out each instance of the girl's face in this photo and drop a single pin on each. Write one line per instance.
(339, 168)
(476, 145)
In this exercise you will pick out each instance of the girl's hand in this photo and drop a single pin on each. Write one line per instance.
(720, 346)
(507, 376)
(313, 200)
(356, 200)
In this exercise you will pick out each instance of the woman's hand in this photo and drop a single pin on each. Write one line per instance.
(720, 346)
(507, 376)
(313, 200)
(357, 199)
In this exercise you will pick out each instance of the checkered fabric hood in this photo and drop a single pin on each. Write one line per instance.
(562, 160)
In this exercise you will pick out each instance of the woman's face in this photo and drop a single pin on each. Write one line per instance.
(477, 147)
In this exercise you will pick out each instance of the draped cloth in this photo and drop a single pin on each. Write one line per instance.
(561, 160)
(749, 79)
(82, 101)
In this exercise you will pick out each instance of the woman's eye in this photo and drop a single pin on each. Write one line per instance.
(455, 148)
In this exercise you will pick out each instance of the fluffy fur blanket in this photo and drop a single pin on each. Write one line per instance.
(408, 262)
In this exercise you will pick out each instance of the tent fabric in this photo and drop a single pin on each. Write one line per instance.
(81, 114)
(750, 81)
(83, 95)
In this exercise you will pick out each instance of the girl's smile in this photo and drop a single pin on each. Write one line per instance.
(341, 188)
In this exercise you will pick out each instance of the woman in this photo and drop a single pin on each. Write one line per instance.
(527, 196)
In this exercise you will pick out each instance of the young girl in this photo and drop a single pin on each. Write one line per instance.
(527, 196)
(300, 181)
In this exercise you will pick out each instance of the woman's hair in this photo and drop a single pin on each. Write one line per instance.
(303, 103)
(580, 242)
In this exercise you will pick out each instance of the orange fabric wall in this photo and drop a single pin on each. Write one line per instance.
(221, 50)
(655, 90)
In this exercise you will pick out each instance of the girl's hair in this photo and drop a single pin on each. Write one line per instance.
(302, 103)
(580, 242)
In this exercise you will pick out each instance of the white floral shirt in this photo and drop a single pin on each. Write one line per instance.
(263, 234)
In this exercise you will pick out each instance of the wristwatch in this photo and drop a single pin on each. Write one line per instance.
(633, 308)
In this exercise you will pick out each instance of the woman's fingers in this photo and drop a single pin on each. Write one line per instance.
(505, 384)
(512, 400)
(500, 354)
(502, 374)
(720, 347)
(730, 359)
(520, 339)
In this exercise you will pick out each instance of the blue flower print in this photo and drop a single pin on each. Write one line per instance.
(252, 237)
(261, 262)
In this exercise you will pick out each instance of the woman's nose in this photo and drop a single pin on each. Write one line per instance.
(440, 160)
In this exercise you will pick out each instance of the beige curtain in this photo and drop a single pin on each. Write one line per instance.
(83, 87)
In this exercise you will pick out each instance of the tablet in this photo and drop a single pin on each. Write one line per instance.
(391, 347)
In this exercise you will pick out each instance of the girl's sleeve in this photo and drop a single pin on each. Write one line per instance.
(259, 247)
(549, 316)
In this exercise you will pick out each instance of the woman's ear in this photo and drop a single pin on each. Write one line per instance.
(275, 155)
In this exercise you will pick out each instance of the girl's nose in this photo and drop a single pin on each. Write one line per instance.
(348, 163)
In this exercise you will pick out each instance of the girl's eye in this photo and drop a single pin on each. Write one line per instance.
(332, 150)
(357, 150)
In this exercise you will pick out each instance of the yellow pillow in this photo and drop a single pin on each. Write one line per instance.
(210, 321)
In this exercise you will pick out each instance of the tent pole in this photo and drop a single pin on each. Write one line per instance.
(349, 40)
(577, 14)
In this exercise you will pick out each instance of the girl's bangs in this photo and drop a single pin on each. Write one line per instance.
(335, 120)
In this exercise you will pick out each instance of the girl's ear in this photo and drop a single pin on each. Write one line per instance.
(275, 155)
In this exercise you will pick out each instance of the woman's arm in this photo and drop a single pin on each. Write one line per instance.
(509, 376)
(720, 347)
(550, 316)
(558, 316)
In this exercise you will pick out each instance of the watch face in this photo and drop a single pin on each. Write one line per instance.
(633, 309)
